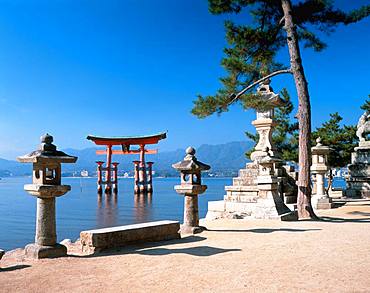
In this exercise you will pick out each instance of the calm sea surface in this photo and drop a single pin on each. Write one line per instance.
(83, 209)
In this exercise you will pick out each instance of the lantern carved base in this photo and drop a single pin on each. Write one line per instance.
(39, 251)
(270, 205)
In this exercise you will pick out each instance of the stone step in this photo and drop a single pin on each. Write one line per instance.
(248, 173)
(244, 181)
(241, 188)
(234, 198)
(241, 195)
(99, 239)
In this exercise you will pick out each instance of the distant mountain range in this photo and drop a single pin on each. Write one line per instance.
(225, 158)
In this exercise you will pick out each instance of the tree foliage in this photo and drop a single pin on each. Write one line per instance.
(366, 105)
(252, 48)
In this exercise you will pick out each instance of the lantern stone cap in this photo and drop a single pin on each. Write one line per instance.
(320, 148)
(47, 152)
(266, 92)
(268, 159)
(190, 163)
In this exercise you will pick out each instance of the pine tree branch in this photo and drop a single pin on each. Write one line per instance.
(234, 96)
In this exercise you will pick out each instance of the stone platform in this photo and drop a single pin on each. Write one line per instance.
(99, 239)
(243, 199)
(260, 209)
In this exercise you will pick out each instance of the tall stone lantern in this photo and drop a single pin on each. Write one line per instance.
(265, 120)
(191, 186)
(46, 186)
(319, 167)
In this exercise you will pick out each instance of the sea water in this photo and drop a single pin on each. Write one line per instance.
(83, 209)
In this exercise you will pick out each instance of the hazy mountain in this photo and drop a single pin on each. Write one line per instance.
(222, 158)
(9, 168)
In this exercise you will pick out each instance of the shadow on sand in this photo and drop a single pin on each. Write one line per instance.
(344, 220)
(151, 249)
(14, 268)
(195, 251)
(365, 214)
(264, 230)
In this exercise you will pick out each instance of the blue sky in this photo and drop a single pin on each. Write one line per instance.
(125, 67)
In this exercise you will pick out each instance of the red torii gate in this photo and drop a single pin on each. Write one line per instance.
(143, 181)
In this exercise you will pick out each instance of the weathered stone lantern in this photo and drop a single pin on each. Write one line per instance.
(46, 186)
(191, 186)
(265, 120)
(319, 167)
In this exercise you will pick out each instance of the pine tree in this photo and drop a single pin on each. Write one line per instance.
(251, 57)
(341, 139)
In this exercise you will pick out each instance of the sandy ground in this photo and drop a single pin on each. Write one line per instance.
(233, 256)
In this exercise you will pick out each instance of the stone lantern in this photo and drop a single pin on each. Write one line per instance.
(319, 167)
(46, 186)
(191, 186)
(265, 120)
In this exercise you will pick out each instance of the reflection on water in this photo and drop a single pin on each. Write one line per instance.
(82, 209)
(143, 207)
(107, 210)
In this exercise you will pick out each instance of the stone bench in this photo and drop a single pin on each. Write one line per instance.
(99, 239)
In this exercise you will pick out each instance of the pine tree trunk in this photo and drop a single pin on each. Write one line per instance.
(304, 116)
